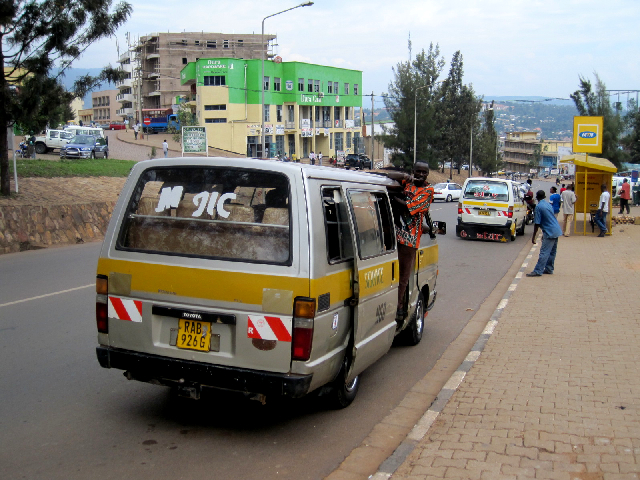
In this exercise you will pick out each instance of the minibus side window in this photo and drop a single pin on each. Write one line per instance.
(336, 224)
(373, 223)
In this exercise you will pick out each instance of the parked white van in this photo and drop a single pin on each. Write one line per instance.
(261, 277)
(78, 130)
(491, 209)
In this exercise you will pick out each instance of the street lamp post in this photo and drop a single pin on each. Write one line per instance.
(415, 118)
(306, 4)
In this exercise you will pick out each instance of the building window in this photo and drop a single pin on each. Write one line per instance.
(338, 138)
(346, 89)
(225, 44)
(310, 86)
(184, 60)
(355, 89)
(215, 120)
(330, 141)
(215, 107)
(265, 84)
(215, 80)
(330, 87)
(301, 84)
(197, 43)
(267, 115)
(240, 43)
(290, 113)
(335, 88)
(316, 86)
(348, 139)
(276, 84)
(212, 44)
(279, 113)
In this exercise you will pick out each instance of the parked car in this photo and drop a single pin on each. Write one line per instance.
(116, 126)
(85, 146)
(447, 191)
(358, 161)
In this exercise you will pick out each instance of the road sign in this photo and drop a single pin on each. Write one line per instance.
(147, 121)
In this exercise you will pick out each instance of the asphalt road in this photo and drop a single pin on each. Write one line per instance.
(64, 417)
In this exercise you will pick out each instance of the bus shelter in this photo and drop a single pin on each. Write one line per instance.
(590, 173)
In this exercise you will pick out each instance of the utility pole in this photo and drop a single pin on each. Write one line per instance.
(372, 129)
(471, 153)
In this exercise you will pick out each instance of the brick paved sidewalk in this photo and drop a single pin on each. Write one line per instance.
(555, 394)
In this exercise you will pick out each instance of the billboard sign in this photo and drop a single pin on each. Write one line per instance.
(194, 140)
(587, 134)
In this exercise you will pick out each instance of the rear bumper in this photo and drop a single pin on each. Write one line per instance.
(172, 371)
(496, 233)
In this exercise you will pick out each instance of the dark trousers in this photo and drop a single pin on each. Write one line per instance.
(624, 203)
(406, 259)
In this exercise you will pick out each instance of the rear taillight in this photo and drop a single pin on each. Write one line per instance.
(510, 212)
(459, 208)
(304, 311)
(102, 291)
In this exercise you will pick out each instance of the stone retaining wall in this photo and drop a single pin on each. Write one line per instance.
(30, 227)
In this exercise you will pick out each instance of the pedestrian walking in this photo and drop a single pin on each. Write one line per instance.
(625, 196)
(603, 209)
(320, 158)
(312, 158)
(555, 200)
(568, 201)
(126, 124)
(136, 128)
(545, 219)
(165, 148)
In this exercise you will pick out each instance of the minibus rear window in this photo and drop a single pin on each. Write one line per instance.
(223, 213)
(487, 190)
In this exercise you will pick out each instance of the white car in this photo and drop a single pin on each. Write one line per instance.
(447, 191)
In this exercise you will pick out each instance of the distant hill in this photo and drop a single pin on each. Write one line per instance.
(72, 74)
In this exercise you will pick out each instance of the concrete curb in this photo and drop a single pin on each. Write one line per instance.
(393, 462)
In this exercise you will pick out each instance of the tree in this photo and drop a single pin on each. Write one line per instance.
(186, 118)
(631, 141)
(457, 115)
(486, 159)
(590, 103)
(414, 90)
(35, 37)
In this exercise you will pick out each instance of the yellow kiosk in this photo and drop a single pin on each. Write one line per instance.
(590, 174)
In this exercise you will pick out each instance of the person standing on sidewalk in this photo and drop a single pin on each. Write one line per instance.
(312, 158)
(568, 201)
(603, 209)
(320, 158)
(545, 219)
(136, 127)
(625, 196)
(555, 199)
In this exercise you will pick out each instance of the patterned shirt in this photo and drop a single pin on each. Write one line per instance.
(418, 202)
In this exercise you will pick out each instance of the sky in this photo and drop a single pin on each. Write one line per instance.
(509, 48)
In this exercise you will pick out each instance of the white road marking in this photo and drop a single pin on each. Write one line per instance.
(46, 295)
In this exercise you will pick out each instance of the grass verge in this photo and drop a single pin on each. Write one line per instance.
(99, 167)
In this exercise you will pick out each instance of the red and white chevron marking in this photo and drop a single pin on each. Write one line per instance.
(269, 328)
(125, 309)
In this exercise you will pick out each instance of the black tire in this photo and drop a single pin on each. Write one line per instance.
(448, 199)
(342, 393)
(412, 334)
(520, 231)
(41, 148)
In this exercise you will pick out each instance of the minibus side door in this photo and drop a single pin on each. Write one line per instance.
(375, 276)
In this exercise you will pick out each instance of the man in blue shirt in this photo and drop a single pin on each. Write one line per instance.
(555, 201)
(546, 220)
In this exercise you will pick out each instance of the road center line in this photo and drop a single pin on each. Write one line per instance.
(46, 295)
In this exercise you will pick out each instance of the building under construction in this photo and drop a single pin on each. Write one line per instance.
(157, 59)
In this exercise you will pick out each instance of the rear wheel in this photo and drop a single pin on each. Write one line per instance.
(520, 231)
(448, 198)
(41, 148)
(343, 393)
(413, 333)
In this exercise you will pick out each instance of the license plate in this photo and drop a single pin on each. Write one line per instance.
(484, 212)
(194, 335)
